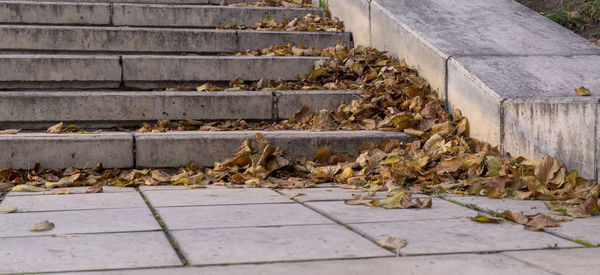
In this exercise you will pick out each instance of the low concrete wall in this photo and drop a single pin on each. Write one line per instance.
(511, 71)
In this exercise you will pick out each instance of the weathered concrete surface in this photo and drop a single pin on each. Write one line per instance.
(59, 71)
(563, 128)
(171, 2)
(262, 244)
(113, 108)
(565, 261)
(175, 149)
(261, 39)
(74, 202)
(208, 196)
(329, 194)
(175, 40)
(79, 222)
(86, 252)
(151, 70)
(289, 102)
(427, 32)
(248, 215)
(461, 235)
(529, 106)
(120, 39)
(22, 150)
(200, 16)
(359, 214)
(585, 229)
(467, 264)
(27, 12)
(73, 191)
(356, 17)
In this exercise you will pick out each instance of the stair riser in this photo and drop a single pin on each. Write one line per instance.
(39, 110)
(105, 71)
(22, 12)
(122, 40)
(199, 16)
(174, 149)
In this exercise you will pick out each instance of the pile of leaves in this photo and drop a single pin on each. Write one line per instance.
(308, 23)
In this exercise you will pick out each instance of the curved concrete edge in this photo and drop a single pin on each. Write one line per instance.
(175, 149)
(35, 110)
(511, 71)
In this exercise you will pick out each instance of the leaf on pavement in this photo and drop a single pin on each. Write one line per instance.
(27, 188)
(389, 242)
(539, 222)
(582, 91)
(484, 218)
(7, 210)
(96, 188)
(56, 129)
(9, 131)
(42, 226)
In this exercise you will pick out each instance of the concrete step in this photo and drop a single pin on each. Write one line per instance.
(171, 2)
(123, 14)
(41, 71)
(173, 149)
(24, 38)
(107, 109)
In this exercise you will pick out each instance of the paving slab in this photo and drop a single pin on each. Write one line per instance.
(329, 194)
(426, 33)
(22, 71)
(23, 150)
(461, 235)
(565, 261)
(176, 149)
(199, 197)
(86, 252)
(171, 2)
(289, 102)
(74, 202)
(468, 264)
(149, 71)
(200, 16)
(266, 244)
(584, 229)
(27, 12)
(146, 188)
(227, 216)
(501, 95)
(79, 222)
(499, 205)
(36, 109)
(344, 213)
(73, 190)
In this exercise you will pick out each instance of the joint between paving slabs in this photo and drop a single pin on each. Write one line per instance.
(337, 222)
(111, 12)
(174, 244)
(275, 107)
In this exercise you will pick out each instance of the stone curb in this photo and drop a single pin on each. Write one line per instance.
(164, 150)
(131, 14)
(163, 40)
(511, 71)
(105, 109)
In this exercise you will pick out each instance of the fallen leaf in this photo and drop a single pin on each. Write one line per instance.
(582, 91)
(42, 226)
(9, 131)
(539, 222)
(292, 196)
(63, 191)
(392, 243)
(96, 188)
(56, 129)
(400, 200)
(484, 218)
(27, 188)
(518, 217)
(7, 210)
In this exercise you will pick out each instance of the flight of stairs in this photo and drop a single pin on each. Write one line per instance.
(103, 64)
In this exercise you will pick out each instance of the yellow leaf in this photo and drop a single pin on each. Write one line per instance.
(483, 218)
(292, 196)
(322, 154)
(55, 129)
(582, 91)
(27, 188)
(9, 131)
(43, 226)
(7, 210)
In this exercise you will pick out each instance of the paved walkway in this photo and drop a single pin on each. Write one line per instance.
(167, 229)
